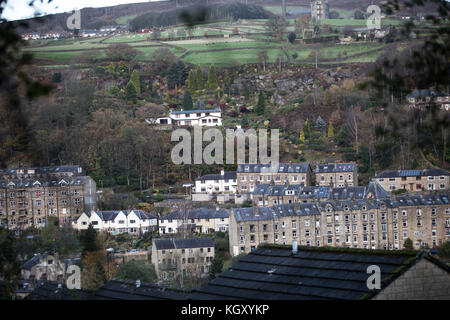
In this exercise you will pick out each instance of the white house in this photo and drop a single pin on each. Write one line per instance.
(202, 220)
(134, 222)
(89, 33)
(203, 118)
(225, 182)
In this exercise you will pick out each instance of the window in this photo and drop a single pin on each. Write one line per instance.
(307, 222)
(405, 223)
(394, 215)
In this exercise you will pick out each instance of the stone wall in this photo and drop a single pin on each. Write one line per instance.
(423, 281)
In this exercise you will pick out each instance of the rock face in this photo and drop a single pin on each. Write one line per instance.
(283, 87)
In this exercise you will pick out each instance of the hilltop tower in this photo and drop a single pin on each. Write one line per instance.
(320, 9)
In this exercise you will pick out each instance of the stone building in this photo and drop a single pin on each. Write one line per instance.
(250, 175)
(320, 9)
(370, 223)
(425, 98)
(336, 174)
(201, 220)
(173, 258)
(414, 180)
(268, 195)
(29, 196)
(46, 267)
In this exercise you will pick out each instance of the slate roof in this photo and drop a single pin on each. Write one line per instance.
(43, 182)
(228, 175)
(335, 167)
(199, 213)
(283, 167)
(180, 243)
(196, 111)
(426, 93)
(43, 170)
(47, 290)
(29, 264)
(275, 273)
(270, 213)
(373, 190)
(124, 290)
(376, 190)
(412, 173)
(112, 214)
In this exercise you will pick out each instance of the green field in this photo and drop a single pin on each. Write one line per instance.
(223, 45)
(125, 19)
(226, 58)
(277, 9)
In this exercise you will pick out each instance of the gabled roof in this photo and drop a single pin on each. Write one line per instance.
(426, 93)
(228, 175)
(35, 260)
(275, 273)
(335, 167)
(283, 168)
(180, 243)
(197, 111)
(110, 215)
(375, 190)
(412, 173)
(199, 213)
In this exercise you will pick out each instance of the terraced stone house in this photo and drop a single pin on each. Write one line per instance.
(414, 180)
(371, 223)
(251, 175)
(29, 196)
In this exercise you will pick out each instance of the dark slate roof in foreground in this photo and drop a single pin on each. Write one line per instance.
(47, 290)
(180, 243)
(124, 290)
(275, 273)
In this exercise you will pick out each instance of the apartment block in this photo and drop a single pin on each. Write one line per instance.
(177, 257)
(336, 174)
(359, 223)
(251, 175)
(414, 180)
(29, 196)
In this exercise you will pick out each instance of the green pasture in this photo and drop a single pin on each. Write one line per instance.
(226, 58)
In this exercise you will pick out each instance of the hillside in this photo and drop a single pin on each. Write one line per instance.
(93, 18)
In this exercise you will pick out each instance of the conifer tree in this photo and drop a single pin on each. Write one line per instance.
(172, 76)
(212, 78)
(191, 82)
(200, 83)
(130, 92)
(302, 136)
(187, 100)
(330, 131)
(307, 129)
(261, 104)
(136, 81)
